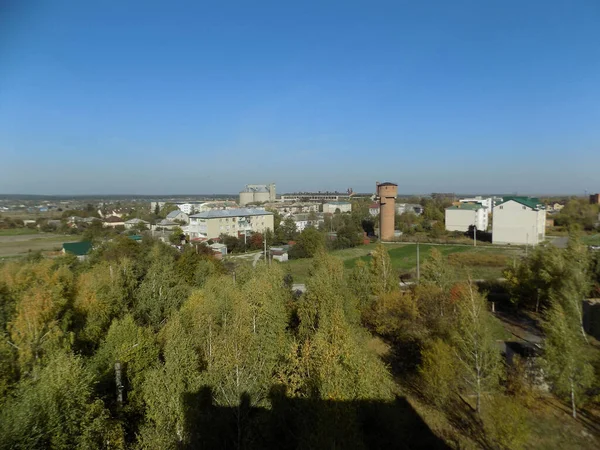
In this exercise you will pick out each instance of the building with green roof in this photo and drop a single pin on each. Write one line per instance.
(519, 221)
(79, 249)
(462, 216)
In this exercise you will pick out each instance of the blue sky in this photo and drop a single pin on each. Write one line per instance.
(153, 97)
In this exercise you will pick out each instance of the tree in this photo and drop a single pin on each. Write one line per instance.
(438, 372)
(287, 230)
(476, 350)
(176, 236)
(308, 243)
(384, 277)
(58, 410)
(566, 360)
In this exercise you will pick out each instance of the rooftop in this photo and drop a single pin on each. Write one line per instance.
(467, 206)
(531, 202)
(77, 248)
(240, 212)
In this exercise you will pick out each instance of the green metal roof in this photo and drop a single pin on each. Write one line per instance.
(467, 206)
(135, 237)
(531, 202)
(78, 248)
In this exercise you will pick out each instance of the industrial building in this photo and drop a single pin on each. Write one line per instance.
(519, 220)
(314, 197)
(212, 224)
(257, 193)
(386, 194)
(464, 215)
(331, 207)
(198, 207)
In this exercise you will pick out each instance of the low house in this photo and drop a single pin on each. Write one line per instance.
(136, 223)
(374, 209)
(178, 216)
(279, 254)
(219, 249)
(113, 222)
(465, 215)
(165, 225)
(304, 220)
(79, 249)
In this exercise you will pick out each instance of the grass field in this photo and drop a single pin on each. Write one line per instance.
(18, 232)
(404, 259)
(591, 239)
(20, 245)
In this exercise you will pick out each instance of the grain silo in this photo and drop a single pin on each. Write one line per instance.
(257, 193)
(386, 193)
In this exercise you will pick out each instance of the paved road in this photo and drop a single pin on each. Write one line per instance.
(559, 241)
(256, 258)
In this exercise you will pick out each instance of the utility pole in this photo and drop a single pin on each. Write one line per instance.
(475, 236)
(418, 268)
(119, 382)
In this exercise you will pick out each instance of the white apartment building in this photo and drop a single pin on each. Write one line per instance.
(332, 207)
(461, 217)
(519, 220)
(212, 224)
(487, 203)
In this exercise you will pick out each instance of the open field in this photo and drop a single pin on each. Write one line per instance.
(404, 259)
(20, 245)
(18, 232)
(591, 239)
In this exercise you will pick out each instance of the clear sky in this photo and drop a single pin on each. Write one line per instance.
(151, 97)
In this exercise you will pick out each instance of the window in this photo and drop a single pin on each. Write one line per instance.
(502, 207)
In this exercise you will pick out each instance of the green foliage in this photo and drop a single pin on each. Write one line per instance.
(58, 410)
(567, 364)
(308, 243)
(176, 236)
(478, 355)
(385, 279)
(438, 372)
(578, 212)
(506, 423)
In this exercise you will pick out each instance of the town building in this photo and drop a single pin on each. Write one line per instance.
(374, 209)
(165, 224)
(595, 199)
(465, 215)
(294, 208)
(257, 193)
(113, 222)
(178, 215)
(519, 220)
(487, 203)
(135, 223)
(414, 208)
(331, 207)
(314, 197)
(199, 207)
(79, 249)
(305, 220)
(233, 222)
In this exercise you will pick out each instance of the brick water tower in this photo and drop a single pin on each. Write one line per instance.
(386, 194)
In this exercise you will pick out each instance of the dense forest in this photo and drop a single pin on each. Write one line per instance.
(146, 346)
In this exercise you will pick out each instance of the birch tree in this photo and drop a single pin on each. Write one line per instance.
(475, 347)
(567, 364)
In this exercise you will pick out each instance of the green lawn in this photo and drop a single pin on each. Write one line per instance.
(17, 247)
(18, 232)
(404, 259)
(591, 239)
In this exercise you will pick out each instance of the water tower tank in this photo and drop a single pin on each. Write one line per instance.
(387, 193)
